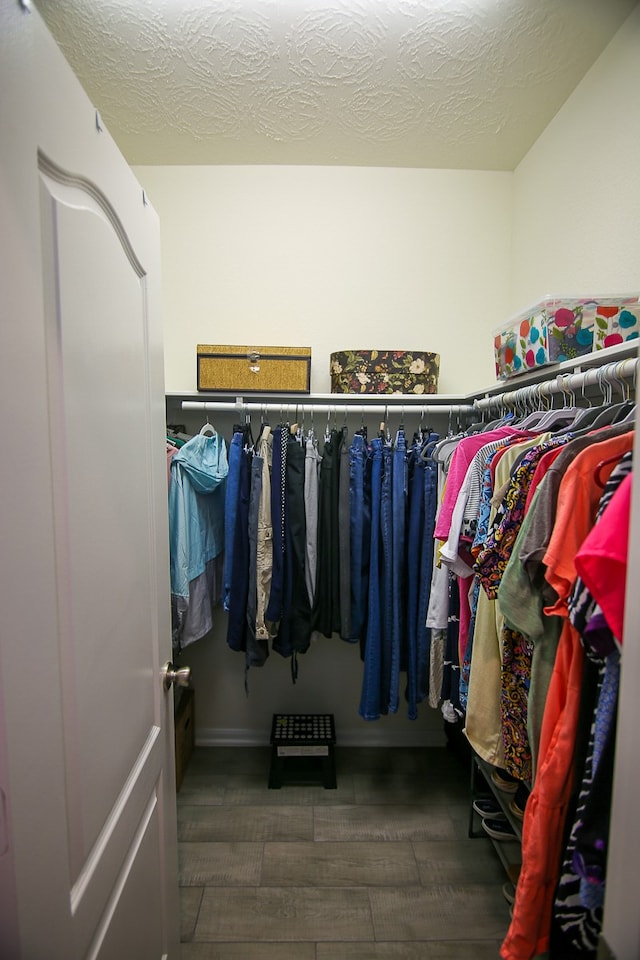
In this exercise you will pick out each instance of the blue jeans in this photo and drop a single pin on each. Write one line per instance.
(399, 489)
(370, 700)
(414, 578)
(230, 512)
(237, 621)
(465, 666)
(360, 533)
(386, 576)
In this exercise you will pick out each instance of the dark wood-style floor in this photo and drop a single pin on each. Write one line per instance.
(381, 867)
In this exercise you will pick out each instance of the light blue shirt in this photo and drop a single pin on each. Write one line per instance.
(196, 508)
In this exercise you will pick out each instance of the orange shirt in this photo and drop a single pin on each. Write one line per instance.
(545, 813)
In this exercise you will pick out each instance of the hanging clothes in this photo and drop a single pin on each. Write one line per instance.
(273, 612)
(268, 597)
(372, 703)
(230, 510)
(326, 610)
(196, 535)
(430, 503)
(516, 514)
(416, 648)
(359, 535)
(393, 492)
(239, 539)
(257, 650)
(294, 632)
(264, 541)
(389, 662)
(311, 480)
(522, 603)
(577, 503)
(344, 540)
(577, 909)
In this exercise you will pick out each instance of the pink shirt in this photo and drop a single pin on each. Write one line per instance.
(602, 558)
(460, 460)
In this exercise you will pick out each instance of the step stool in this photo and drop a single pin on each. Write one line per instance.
(300, 737)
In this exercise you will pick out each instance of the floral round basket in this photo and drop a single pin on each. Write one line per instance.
(384, 371)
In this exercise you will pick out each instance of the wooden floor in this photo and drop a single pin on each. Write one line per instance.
(381, 867)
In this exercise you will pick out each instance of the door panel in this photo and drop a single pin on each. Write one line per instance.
(132, 930)
(86, 763)
(101, 873)
(95, 368)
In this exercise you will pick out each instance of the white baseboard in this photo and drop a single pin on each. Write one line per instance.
(362, 736)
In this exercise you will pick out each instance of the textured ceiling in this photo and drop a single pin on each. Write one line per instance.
(416, 83)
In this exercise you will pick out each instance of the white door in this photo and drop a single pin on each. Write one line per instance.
(88, 852)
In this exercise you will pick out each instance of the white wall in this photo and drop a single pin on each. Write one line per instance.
(333, 258)
(576, 226)
(329, 681)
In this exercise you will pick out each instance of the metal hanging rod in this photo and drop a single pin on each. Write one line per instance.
(354, 405)
(611, 374)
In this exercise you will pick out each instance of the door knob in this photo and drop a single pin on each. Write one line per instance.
(180, 676)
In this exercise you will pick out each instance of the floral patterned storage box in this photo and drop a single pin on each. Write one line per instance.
(384, 371)
(560, 329)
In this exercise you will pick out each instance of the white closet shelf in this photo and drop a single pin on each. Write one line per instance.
(331, 401)
(619, 352)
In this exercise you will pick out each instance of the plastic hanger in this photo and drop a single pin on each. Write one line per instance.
(207, 429)
(523, 405)
(587, 414)
(555, 417)
(563, 417)
(532, 420)
(247, 432)
(609, 410)
(630, 417)
(476, 427)
(586, 418)
(627, 411)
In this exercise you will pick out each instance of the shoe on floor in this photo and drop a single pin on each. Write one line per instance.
(498, 829)
(488, 807)
(504, 781)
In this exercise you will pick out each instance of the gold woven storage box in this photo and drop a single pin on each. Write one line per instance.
(236, 369)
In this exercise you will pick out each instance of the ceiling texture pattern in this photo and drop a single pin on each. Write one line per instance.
(415, 83)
